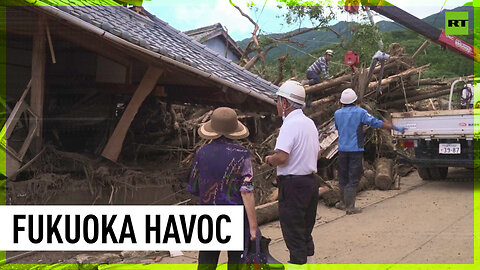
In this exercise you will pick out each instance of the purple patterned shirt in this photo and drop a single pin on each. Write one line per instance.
(221, 171)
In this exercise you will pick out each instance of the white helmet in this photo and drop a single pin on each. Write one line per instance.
(293, 91)
(329, 52)
(348, 96)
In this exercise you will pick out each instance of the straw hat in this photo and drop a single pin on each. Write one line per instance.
(223, 122)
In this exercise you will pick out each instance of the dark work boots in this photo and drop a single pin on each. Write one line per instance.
(349, 198)
(341, 204)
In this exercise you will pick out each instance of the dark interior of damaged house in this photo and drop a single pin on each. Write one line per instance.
(74, 87)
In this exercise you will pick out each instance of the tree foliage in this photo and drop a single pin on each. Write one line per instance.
(364, 41)
(444, 63)
(317, 15)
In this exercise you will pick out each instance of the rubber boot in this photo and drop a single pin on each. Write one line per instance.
(341, 204)
(350, 208)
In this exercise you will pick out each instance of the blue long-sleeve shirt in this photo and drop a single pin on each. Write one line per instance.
(349, 122)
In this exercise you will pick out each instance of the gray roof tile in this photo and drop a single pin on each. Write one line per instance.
(156, 35)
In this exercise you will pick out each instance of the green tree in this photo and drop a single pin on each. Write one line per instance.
(364, 41)
(259, 46)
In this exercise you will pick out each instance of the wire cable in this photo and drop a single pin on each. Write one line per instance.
(435, 19)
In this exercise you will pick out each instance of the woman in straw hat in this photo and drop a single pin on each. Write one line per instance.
(222, 175)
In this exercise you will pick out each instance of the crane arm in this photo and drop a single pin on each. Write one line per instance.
(408, 20)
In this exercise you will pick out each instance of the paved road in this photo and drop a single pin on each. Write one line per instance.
(423, 222)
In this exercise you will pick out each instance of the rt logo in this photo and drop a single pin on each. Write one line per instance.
(456, 23)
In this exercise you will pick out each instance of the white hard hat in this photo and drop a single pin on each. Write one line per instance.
(379, 55)
(329, 52)
(348, 96)
(293, 91)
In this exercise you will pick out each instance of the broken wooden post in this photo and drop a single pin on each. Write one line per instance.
(114, 145)
(362, 81)
(50, 44)
(38, 80)
(421, 48)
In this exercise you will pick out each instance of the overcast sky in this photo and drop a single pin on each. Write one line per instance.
(190, 14)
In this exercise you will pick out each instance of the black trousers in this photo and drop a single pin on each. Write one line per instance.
(208, 260)
(297, 206)
(350, 169)
(313, 78)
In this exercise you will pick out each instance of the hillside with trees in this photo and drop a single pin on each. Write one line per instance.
(359, 38)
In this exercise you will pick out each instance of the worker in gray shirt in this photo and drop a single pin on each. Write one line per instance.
(319, 67)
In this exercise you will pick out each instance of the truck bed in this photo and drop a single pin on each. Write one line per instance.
(436, 124)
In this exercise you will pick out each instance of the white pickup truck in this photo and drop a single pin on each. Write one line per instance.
(440, 139)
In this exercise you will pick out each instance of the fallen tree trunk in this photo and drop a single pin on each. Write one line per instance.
(396, 103)
(384, 175)
(319, 104)
(267, 212)
(413, 91)
(388, 68)
(363, 184)
(327, 84)
(394, 78)
(331, 197)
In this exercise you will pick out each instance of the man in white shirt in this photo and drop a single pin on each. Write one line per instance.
(295, 157)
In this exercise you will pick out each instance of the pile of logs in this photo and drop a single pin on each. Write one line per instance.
(402, 84)
(400, 88)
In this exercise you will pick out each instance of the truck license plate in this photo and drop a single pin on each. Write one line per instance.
(449, 148)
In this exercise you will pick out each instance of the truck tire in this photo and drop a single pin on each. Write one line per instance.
(438, 173)
(424, 173)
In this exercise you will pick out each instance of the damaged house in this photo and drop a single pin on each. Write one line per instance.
(78, 76)
(216, 38)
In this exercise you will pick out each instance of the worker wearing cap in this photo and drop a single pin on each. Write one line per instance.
(319, 67)
(295, 157)
(222, 175)
(349, 121)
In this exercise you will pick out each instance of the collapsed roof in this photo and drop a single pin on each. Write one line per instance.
(195, 74)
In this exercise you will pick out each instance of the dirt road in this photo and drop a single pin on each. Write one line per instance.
(422, 222)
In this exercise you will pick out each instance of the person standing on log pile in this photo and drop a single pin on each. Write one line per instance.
(295, 157)
(319, 66)
(222, 175)
(349, 121)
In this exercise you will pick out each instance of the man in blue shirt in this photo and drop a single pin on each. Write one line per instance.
(349, 122)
